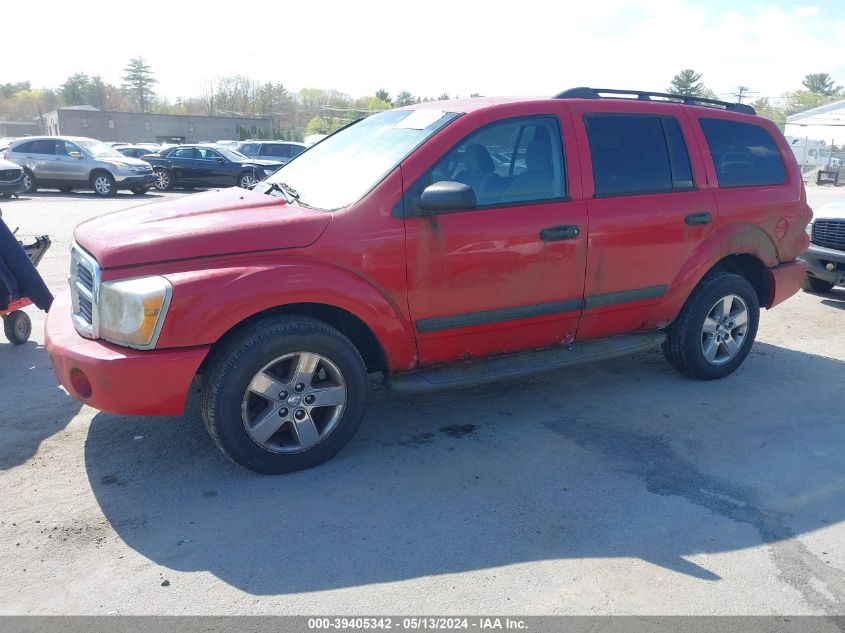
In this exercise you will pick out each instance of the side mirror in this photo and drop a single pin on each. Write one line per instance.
(447, 195)
(75, 154)
(220, 160)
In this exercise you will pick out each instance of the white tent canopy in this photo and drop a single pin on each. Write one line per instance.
(825, 123)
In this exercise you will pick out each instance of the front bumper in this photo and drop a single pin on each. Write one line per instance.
(130, 182)
(785, 280)
(12, 186)
(818, 257)
(118, 379)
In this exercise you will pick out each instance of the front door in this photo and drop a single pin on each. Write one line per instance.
(70, 169)
(507, 274)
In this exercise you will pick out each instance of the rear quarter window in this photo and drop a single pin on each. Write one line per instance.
(744, 154)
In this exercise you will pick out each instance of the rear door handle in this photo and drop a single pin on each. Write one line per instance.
(703, 217)
(555, 233)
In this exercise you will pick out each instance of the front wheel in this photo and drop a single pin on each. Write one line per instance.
(140, 191)
(29, 185)
(163, 181)
(17, 327)
(715, 329)
(103, 184)
(284, 394)
(247, 180)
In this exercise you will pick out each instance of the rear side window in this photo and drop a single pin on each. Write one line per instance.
(295, 150)
(634, 153)
(744, 155)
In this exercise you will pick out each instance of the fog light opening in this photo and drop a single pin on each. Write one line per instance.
(80, 383)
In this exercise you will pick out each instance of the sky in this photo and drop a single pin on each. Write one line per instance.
(460, 47)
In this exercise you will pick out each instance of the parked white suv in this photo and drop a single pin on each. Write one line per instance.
(71, 162)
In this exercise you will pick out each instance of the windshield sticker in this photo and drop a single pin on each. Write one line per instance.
(419, 119)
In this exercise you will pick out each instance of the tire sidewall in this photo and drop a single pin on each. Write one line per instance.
(31, 187)
(109, 177)
(698, 311)
(244, 175)
(238, 365)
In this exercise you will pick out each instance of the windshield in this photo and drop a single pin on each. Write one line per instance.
(100, 150)
(341, 169)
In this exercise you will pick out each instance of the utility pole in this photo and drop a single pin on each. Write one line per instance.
(741, 93)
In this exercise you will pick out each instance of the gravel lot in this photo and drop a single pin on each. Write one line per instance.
(618, 488)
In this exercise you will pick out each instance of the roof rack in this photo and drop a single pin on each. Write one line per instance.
(597, 93)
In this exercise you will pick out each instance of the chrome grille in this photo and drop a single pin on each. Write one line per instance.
(84, 283)
(10, 175)
(829, 233)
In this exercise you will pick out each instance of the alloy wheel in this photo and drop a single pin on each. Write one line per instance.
(294, 402)
(102, 185)
(724, 331)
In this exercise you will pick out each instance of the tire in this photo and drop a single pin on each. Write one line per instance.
(29, 184)
(689, 337)
(247, 179)
(141, 191)
(163, 181)
(273, 347)
(4, 195)
(17, 327)
(103, 184)
(814, 284)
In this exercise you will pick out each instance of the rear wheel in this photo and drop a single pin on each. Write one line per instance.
(163, 181)
(716, 327)
(246, 180)
(103, 184)
(17, 327)
(284, 394)
(814, 284)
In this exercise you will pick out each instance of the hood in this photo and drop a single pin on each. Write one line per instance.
(264, 163)
(124, 160)
(220, 222)
(831, 211)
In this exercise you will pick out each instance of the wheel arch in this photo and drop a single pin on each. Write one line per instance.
(348, 324)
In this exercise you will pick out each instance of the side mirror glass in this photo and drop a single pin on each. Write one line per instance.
(447, 195)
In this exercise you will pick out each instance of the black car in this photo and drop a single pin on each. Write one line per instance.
(207, 166)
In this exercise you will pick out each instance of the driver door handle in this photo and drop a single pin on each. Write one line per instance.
(556, 233)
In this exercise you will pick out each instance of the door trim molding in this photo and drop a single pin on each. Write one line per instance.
(487, 317)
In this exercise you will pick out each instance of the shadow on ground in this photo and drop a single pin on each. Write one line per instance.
(42, 408)
(624, 458)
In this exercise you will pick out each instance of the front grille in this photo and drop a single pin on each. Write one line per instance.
(829, 233)
(10, 175)
(84, 279)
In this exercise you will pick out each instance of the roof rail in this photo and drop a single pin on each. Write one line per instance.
(597, 93)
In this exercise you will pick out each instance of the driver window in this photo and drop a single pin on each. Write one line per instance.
(515, 161)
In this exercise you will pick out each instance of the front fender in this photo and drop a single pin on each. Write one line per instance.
(208, 303)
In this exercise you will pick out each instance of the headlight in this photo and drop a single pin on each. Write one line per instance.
(809, 229)
(120, 166)
(268, 171)
(131, 312)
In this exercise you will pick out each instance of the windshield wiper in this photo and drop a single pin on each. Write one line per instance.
(291, 194)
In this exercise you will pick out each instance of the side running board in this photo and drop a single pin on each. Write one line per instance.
(484, 370)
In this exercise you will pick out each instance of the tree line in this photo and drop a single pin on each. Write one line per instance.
(818, 89)
(296, 114)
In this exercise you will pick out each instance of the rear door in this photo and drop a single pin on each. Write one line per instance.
(183, 164)
(40, 157)
(648, 204)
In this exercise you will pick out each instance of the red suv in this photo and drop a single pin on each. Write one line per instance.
(445, 244)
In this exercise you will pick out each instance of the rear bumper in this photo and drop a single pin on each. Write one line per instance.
(117, 379)
(818, 257)
(785, 280)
